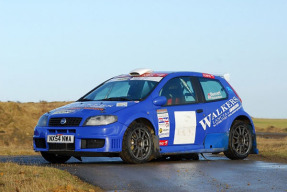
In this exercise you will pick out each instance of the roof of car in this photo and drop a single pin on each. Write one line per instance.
(165, 73)
(143, 72)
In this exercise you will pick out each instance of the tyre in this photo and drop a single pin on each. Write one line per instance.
(240, 141)
(54, 158)
(137, 144)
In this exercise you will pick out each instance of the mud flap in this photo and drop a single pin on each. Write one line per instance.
(254, 149)
(254, 145)
(156, 148)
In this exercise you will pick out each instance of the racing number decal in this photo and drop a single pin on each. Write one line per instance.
(185, 127)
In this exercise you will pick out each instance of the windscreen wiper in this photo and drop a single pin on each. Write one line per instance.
(84, 99)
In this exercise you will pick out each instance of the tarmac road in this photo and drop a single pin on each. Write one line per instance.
(215, 174)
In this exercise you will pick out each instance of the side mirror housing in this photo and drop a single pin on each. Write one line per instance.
(160, 101)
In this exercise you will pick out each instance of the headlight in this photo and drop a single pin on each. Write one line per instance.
(100, 120)
(43, 121)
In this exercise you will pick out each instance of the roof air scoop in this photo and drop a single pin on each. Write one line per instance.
(140, 71)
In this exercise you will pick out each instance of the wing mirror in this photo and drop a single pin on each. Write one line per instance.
(160, 101)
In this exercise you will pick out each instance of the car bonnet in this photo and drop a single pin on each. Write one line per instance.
(91, 108)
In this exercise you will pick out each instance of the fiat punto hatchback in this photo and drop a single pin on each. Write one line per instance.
(147, 115)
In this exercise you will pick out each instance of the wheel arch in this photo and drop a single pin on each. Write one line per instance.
(246, 119)
(146, 122)
(154, 140)
(153, 131)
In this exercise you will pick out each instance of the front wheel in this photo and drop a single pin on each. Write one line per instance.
(137, 144)
(54, 158)
(240, 141)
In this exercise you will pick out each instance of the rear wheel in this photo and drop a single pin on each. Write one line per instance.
(240, 141)
(54, 158)
(137, 144)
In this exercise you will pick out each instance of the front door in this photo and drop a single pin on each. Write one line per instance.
(178, 119)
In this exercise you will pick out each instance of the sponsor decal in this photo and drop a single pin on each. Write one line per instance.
(157, 79)
(90, 108)
(147, 76)
(216, 95)
(74, 107)
(163, 123)
(154, 75)
(119, 79)
(122, 104)
(163, 142)
(221, 114)
(208, 76)
(65, 111)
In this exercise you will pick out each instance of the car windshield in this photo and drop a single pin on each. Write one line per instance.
(122, 90)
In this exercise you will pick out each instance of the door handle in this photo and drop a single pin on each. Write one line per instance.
(199, 110)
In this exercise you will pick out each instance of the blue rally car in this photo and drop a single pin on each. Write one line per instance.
(148, 115)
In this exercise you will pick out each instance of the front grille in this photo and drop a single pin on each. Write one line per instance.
(61, 131)
(69, 122)
(61, 146)
(40, 143)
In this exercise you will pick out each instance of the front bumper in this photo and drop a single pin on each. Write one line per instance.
(87, 140)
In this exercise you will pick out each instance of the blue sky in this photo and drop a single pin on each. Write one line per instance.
(59, 50)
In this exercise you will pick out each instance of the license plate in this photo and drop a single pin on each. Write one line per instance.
(60, 139)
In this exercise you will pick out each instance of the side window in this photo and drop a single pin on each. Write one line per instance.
(179, 91)
(212, 89)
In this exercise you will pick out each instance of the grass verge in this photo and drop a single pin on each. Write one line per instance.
(12, 149)
(14, 177)
(270, 149)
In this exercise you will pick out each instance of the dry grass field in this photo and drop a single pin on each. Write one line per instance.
(271, 125)
(17, 122)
